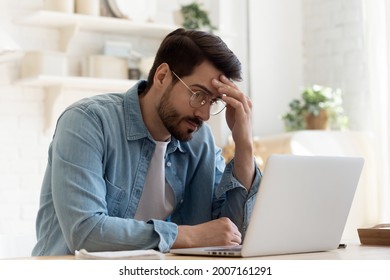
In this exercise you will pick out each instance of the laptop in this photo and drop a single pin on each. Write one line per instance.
(302, 206)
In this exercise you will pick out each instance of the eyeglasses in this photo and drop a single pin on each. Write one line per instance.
(200, 98)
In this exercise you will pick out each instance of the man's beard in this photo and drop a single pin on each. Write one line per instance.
(171, 119)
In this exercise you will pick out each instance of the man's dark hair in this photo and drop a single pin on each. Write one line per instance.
(183, 50)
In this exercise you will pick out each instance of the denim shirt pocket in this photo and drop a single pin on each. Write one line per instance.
(114, 197)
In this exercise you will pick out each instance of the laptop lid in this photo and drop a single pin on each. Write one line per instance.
(302, 206)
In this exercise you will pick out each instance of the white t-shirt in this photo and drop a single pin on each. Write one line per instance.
(157, 200)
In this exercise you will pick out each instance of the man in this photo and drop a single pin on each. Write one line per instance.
(140, 170)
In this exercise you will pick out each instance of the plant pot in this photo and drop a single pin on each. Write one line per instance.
(320, 122)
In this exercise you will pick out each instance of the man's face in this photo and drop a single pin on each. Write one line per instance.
(179, 126)
(178, 116)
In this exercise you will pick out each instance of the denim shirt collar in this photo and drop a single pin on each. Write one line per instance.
(135, 126)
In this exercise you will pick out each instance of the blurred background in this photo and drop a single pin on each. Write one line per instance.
(327, 56)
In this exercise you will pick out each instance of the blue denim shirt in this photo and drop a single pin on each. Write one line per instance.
(97, 164)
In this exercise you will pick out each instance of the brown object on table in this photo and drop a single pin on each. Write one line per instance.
(377, 235)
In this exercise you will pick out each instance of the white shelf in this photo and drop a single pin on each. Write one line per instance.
(10, 56)
(78, 83)
(98, 24)
(54, 91)
(70, 24)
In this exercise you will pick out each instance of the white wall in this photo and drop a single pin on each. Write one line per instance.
(335, 53)
(303, 42)
(23, 147)
(276, 62)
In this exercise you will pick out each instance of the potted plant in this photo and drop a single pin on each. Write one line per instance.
(192, 16)
(319, 108)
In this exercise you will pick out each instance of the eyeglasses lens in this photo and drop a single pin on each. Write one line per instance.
(200, 98)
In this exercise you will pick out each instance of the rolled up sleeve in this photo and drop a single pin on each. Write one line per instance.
(237, 201)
